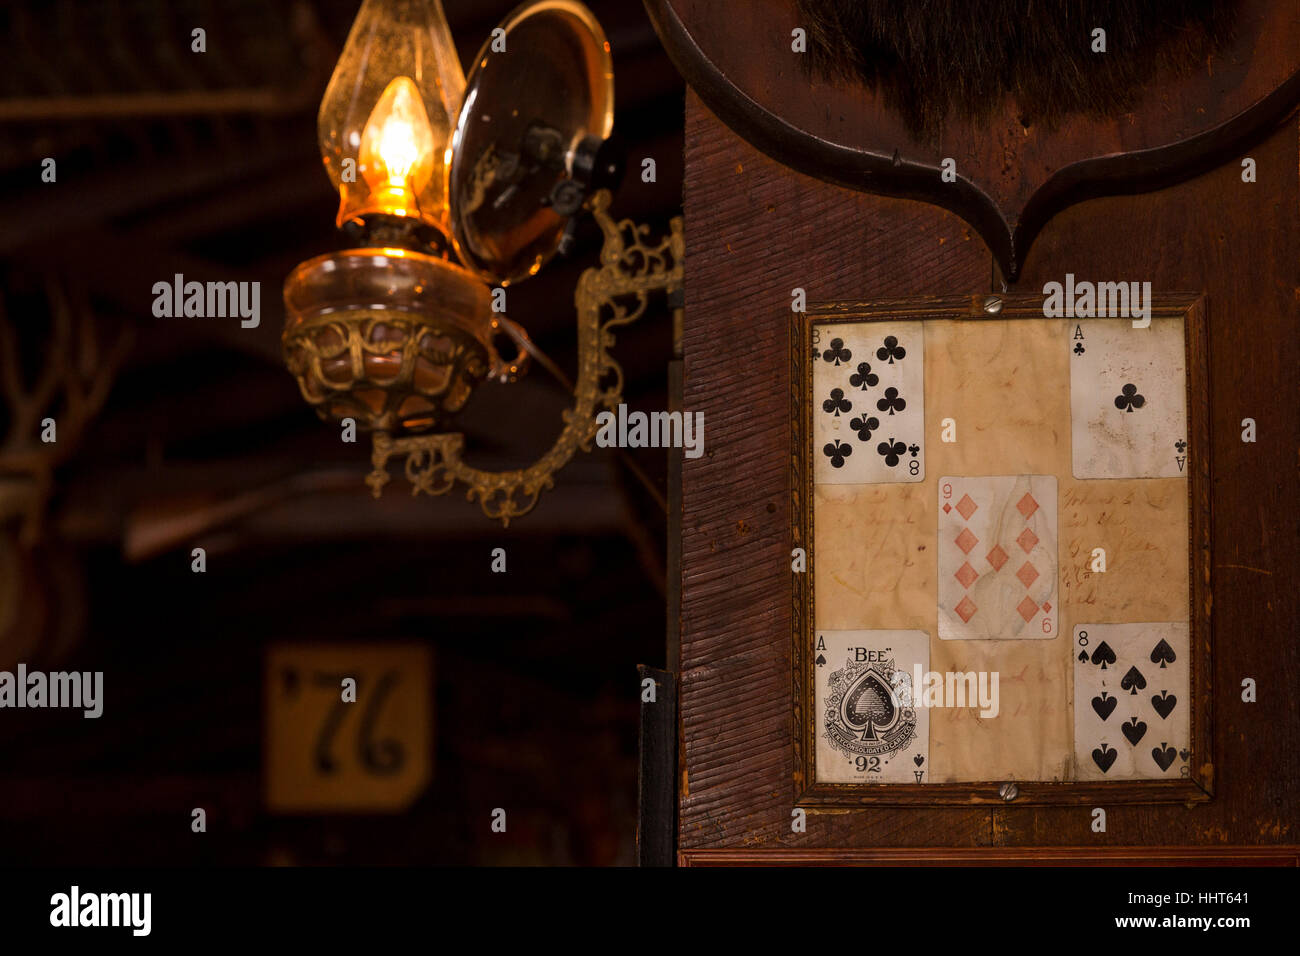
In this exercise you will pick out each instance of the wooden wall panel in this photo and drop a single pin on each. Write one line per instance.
(754, 231)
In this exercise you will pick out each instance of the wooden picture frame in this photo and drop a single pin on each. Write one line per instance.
(1197, 787)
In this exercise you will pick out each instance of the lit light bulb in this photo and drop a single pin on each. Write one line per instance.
(386, 119)
(398, 153)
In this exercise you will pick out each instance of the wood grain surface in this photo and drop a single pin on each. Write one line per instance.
(1013, 175)
(755, 230)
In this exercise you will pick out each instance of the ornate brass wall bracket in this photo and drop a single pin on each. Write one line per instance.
(615, 294)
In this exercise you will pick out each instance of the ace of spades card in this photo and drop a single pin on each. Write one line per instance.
(869, 725)
(1132, 701)
(997, 557)
(1128, 400)
(868, 402)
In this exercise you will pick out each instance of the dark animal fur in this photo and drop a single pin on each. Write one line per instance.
(936, 58)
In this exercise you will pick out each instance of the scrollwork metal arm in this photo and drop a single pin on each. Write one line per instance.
(630, 271)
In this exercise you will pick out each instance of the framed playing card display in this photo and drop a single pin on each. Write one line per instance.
(1005, 523)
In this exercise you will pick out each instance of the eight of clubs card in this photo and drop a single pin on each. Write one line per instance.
(1132, 704)
(997, 557)
(868, 403)
(870, 727)
(1128, 399)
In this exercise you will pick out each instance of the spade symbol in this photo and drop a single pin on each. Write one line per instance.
(1164, 704)
(1133, 681)
(1083, 657)
(1163, 654)
(1103, 655)
(1103, 757)
(1104, 705)
(869, 706)
(918, 760)
(821, 660)
(1129, 399)
(1163, 755)
(1134, 730)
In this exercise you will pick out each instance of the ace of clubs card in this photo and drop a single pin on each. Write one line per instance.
(1132, 701)
(997, 557)
(870, 727)
(868, 402)
(1128, 399)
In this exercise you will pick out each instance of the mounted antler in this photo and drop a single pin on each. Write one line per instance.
(71, 387)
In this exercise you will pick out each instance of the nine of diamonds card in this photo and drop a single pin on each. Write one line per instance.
(869, 403)
(997, 557)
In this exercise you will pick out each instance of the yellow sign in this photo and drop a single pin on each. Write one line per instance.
(348, 726)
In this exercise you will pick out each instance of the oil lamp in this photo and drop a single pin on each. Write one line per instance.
(448, 187)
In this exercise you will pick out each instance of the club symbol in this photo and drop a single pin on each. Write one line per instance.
(891, 350)
(914, 450)
(836, 403)
(891, 450)
(864, 427)
(816, 353)
(837, 353)
(837, 451)
(892, 402)
(1180, 446)
(864, 377)
(1129, 399)
(1078, 348)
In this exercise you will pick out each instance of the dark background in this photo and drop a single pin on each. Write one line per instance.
(206, 164)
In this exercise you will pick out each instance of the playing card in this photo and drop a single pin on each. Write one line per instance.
(1128, 401)
(869, 728)
(868, 403)
(1132, 702)
(997, 557)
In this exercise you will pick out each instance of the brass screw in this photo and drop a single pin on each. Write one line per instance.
(1008, 792)
(993, 305)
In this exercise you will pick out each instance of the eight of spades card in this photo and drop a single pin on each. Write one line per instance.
(1132, 704)
(869, 727)
(997, 557)
(1128, 400)
(868, 403)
